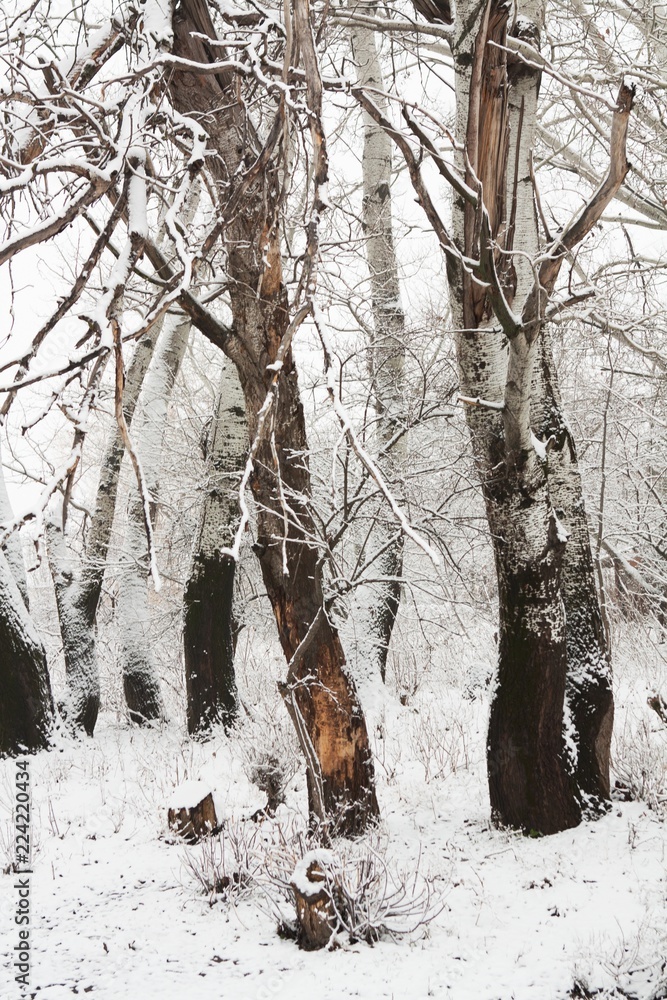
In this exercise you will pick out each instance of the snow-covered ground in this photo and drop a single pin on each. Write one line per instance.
(118, 913)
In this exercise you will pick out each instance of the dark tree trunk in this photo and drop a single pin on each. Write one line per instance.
(209, 627)
(534, 764)
(588, 690)
(530, 780)
(320, 694)
(26, 704)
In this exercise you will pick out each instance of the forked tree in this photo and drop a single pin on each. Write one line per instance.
(502, 275)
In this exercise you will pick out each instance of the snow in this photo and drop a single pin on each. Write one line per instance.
(323, 858)
(539, 446)
(117, 913)
(189, 794)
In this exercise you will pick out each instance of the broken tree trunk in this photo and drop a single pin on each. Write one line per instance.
(322, 696)
(314, 888)
(192, 813)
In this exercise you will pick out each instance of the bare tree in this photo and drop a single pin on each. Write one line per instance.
(78, 583)
(501, 279)
(140, 681)
(319, 693)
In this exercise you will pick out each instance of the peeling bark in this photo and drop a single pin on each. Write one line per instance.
(208, 628)
(320, 694)
(530, 782)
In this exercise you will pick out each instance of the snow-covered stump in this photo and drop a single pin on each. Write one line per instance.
(314, 887)
(192, 813)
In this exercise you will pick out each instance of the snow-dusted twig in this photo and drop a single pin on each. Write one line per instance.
(134, 458)
(361, 453)
(262, 426)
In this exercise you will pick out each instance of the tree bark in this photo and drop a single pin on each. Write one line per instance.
(208, 629)
(387, 349)
(543, 767)
(26, 703)
(12, 547)
(320, 694)
(140, 682)
(588, 686)
(78, 585)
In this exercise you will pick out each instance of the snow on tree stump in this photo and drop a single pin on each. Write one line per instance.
(314, 890)
(192, 812)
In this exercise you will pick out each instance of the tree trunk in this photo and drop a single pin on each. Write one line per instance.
(26, 704)
(12, 547)
(588, 687)
(208, 629)
(78, 586)
(387, 354)
(543, 767)
(140, 682)
(530, 780)
(320, 694)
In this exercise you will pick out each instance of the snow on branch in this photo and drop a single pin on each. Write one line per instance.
(359, 450)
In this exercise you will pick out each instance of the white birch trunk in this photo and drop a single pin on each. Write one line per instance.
(209, 627)
(78, 584)
(12, 547)
(140, 682)
(387, 354)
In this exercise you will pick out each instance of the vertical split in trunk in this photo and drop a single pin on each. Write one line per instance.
(140, 682)
(208, 628)
(78, 586)
(319, 693)
(387, 349)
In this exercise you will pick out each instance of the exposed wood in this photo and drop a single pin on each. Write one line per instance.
(316, 915)
(192, 823)
(289, 559)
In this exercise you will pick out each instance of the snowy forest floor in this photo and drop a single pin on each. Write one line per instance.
(117, 912)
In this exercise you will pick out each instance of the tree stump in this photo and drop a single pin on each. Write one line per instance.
(192, 812)
(314, 890)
